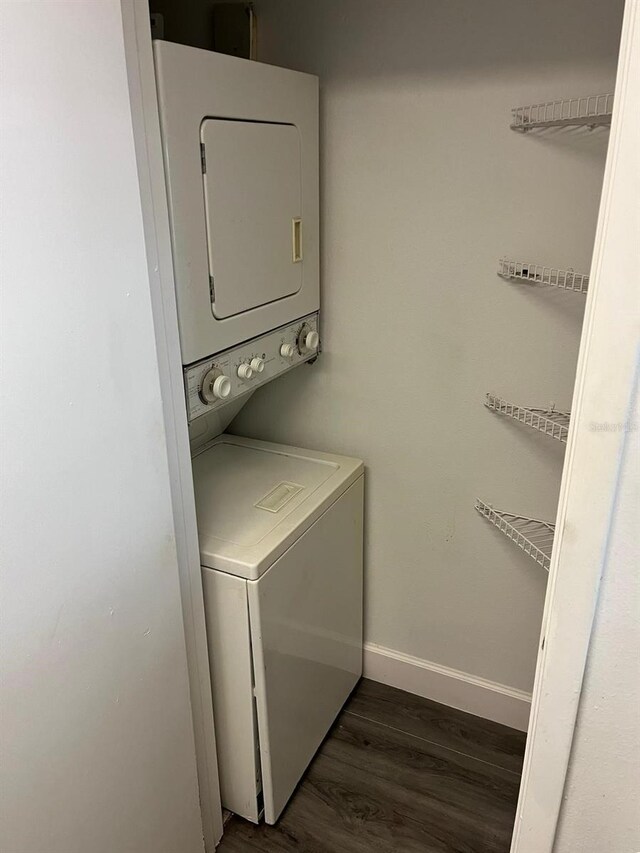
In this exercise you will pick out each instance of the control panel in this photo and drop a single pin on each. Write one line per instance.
(217, 380)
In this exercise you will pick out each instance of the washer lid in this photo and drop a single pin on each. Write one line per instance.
(254, 499)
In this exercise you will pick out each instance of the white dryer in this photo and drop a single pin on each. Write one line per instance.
(240, 145)
(281, 533)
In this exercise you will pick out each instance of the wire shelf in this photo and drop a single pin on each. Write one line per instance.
(535, 537)
(549, 421)
(590, 111)
(539, 274)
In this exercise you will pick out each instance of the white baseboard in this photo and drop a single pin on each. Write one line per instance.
(451, 687)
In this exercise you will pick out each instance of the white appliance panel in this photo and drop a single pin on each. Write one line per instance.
(306, 630)
(231, 666)
(194, 87)
(253, 206)
(268, 348)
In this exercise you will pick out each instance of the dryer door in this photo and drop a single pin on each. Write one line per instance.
(306, 634)
(253, 204)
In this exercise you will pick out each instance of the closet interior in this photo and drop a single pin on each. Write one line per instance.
(455, 140)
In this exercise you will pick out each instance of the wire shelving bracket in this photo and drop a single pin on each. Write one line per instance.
(549, 421)
(589, 111)
(535, 537)
(539, 274)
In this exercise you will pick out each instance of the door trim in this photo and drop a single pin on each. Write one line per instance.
(153, 201)
(602, 395)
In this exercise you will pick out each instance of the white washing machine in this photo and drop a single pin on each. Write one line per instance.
(281, 538)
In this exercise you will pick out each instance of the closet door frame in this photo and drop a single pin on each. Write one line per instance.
(606, 373)
(155, 214)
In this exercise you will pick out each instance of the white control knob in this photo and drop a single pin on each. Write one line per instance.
(257, 364)
(311, 341)
(245, 371)
(215, 386)
(221, 387)
(287, 350)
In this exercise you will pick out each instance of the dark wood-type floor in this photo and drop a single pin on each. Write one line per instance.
(398, 774)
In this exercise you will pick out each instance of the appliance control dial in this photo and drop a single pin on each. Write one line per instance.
(245, 371)
(308, 339)
(312, 340)
(287, 350)
(257, 364)
(215, 386)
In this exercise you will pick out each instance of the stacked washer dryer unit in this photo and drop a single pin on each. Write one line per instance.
(280, 528)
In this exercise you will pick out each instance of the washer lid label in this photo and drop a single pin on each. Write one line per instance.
(279, 496)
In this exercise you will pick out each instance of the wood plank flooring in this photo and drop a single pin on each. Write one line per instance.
(398, 774)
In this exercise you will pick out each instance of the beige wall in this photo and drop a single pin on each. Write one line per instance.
(424, 187)
(97, 738)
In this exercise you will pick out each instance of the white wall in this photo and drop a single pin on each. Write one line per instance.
(424, 187)
(98, 750)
